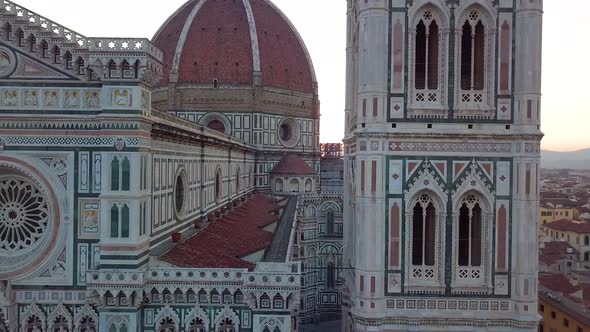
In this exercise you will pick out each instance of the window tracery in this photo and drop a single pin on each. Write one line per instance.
(119, 221)
(427, 47)
(475, 51)
(472, 242)
(24, 214)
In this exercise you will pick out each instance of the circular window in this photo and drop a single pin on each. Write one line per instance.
(216, 125)
(288, 133)
(180, 192)
(285, 132)
(24, 214)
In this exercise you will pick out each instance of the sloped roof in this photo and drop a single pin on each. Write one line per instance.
(223, 243)
(293, 164)
(558, 283)
(555, 251)
(568, 225)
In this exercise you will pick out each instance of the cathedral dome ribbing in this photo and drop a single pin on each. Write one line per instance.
(236, 43)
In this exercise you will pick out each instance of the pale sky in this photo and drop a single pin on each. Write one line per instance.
(322, 25)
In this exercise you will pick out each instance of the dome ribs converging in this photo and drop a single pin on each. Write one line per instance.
(282, 56)
(167, 37)
(234, 43)
(218, 46)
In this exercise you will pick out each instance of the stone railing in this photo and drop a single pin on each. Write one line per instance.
(265, 274)
(175, 275)
(125, 45)
(114, 277)
(43, 24)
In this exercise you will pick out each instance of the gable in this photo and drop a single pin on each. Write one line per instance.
(16, 65)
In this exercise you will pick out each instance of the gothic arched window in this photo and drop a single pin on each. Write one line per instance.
(114, 221)
(69, 60)
(56, 55)
(125, 221)
(330, 276)
(424, 232)
(44, 46)
(427, 53)
(125, 174)
(167, 324)
(470, 232)
(218, 192)
(473, 53)
(20, 36)
(197, 325)
(32, 41)
(115, 164)
(330, 221)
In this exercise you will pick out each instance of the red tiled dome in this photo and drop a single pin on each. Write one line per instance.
(237, 42)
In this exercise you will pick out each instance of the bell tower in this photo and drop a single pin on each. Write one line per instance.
(442, 152)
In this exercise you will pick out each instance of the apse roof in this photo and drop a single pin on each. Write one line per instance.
(292, 164)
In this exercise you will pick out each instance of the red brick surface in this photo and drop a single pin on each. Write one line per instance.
(219, 46)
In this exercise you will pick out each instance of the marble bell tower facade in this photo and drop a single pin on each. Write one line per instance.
(442, 153)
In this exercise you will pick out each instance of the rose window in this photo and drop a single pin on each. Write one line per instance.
(24, 214)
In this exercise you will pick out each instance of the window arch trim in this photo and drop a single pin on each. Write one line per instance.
(422, 278)
(429, 98)
(472, 277)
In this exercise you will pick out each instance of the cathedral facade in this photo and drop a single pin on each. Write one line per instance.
(442, 151)
(158, 185)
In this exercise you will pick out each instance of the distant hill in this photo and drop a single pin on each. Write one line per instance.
(573, 160)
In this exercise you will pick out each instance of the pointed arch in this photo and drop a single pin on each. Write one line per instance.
(424, 223)
(34, 316)
(44, 48)
(113, 69)
(8, 31)
(473, 218)
(167, 318)
(32, 42)
(80, 66)
(85, 319)
(194, 315)
(63, 312)
(56, 52)
(227, 316)
(68, 59)
(20, 37)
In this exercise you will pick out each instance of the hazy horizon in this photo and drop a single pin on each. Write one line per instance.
(565, 107)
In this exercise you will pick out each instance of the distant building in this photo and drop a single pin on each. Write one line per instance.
(557, 257)
(564, 304)
(574, 232)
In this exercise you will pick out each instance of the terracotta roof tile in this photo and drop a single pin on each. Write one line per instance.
(558, 283)
(568, 225)
(555, 251)
(293, 164)
(223, 243)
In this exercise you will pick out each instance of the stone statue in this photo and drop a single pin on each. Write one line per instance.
(10, 98)
(91, 99)
(31, 98)
(121, 98)
(50, 98)
(72, 99)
